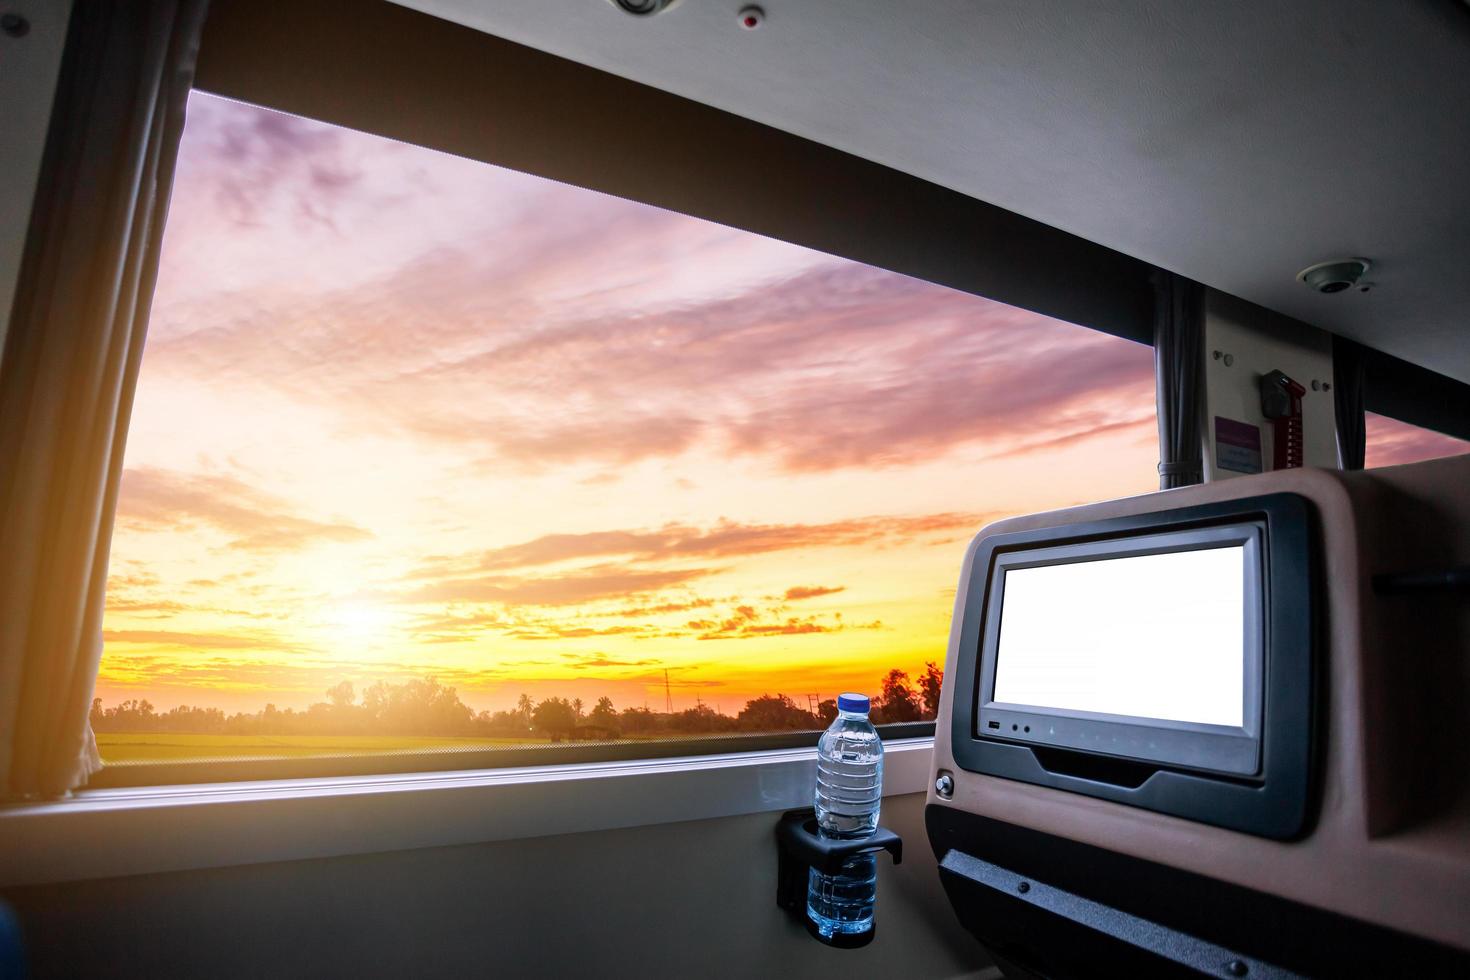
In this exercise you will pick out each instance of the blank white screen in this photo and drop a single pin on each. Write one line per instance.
(1150, 636)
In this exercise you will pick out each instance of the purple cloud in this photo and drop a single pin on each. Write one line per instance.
(725, 539)
(1391, 443)
(507, 342)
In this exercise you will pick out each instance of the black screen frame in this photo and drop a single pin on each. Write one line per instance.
(1273, 801)
(1233, 750)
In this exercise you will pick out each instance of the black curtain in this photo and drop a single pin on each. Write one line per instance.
(1179, 338)
(69, 366)
(1347, 403)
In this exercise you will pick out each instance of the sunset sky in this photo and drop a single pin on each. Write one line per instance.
(1391, 442)
(405, 414)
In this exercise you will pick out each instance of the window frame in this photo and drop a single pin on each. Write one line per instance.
(106, 833)
(361, 69)
(1394, 388)
(535, 112)
(568, 754)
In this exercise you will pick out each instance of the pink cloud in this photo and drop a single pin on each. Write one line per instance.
(724, 539)
(532, 329)
(1391, 443)
(585, 585)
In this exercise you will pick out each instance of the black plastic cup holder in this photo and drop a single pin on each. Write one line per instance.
(800, 848)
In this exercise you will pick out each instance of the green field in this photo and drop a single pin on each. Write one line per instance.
(122, 748)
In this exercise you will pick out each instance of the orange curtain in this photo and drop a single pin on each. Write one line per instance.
(69, 367)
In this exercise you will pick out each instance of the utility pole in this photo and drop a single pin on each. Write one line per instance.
(812, 700)
(668, 696)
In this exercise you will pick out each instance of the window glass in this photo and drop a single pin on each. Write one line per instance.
(431, 453)
(1391, 442)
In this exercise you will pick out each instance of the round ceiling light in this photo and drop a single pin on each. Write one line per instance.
(1335, 276)
(643, 8)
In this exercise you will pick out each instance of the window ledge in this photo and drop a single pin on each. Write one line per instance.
(114, 832)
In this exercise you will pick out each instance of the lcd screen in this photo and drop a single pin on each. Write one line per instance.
(1158, 636)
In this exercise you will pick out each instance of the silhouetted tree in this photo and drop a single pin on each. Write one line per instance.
(502, 723)
(554, 717)
(128, 716)
(827, 712)
(898, 702)
(702, 719)
(929, 687)
(417, 707)
(209, 721)
(341, 695)
(423, 706)
(769, 713)
(638, 721)
(603, 714)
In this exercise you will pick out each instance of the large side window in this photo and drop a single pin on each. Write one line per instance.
(429, 454)
(1391, 442)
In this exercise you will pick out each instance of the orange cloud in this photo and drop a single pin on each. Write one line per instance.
(200, 641)
(163, 608)
(585, 585)
(552, 632)
(663, 609)
(577, 662)
(811, 591)
(154, 499)
(746, 622)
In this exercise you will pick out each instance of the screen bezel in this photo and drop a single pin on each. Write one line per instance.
(1235, 750)
(1277, 801)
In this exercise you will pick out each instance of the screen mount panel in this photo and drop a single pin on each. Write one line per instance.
(1269, 798)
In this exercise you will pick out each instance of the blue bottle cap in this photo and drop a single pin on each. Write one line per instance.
(853, 702)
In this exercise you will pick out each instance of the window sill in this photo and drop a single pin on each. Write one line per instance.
(114, 832)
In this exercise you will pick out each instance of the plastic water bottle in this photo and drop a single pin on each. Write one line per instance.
(849, 791)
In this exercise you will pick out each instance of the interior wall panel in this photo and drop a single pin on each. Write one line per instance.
(682, 899)
(29, 66)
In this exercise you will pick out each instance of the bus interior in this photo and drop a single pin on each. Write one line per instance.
(457, 457)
